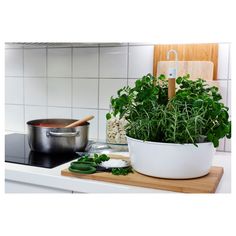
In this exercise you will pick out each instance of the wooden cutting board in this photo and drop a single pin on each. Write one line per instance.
(187, 52)
(196, 69)
(205, 184)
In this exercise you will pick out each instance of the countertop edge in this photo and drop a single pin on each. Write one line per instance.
(52, 178)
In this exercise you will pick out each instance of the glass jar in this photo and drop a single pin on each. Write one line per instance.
(115, 133)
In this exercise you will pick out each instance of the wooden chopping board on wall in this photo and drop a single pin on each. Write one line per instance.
(196, 69)
(206, 53)
(205, 184)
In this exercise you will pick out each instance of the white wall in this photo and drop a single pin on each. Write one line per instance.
(45, 81)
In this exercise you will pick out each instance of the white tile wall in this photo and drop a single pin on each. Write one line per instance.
(102, 124)
(229, 96)
(140, 61)
(59, 112)
(59, 62)
(113, 62)
(229, 73)
(223, 90)
(14, 62)
(79, 80)
(35, 62)
(14, 90)
(223, 60)
(131, 82)
(224, 76)
(228, 145)
(221, 145)
(14, 117)
(85, 93)
(85, 62)
(108, 88)
(34, 113)
(35, 91)
(59, 92)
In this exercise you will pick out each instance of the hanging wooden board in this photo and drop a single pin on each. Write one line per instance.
(196, 69)
(205, 184)
(187, 52)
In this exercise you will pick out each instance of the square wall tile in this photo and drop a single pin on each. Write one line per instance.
(223, 89)
(14, 62)
(14, 90)
(35, 91)
(59, 62)
(223, 60)
(85, 62)
(34, 113)
(228, 145)
(59, 112)
(80, 113)
(14, 118)
(85, 93)
(131, 82)
(229, 73)
(102, 124)
(221, 145)
(108, 88)
(113, 62)
(229, 96)
(59, 92)
(140, 61)
(35, 62)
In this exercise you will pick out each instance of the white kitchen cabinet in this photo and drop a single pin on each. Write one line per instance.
(19, 187)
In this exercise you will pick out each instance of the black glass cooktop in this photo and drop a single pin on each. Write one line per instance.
(18, 151)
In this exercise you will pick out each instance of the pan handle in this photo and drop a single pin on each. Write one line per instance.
(60, 134)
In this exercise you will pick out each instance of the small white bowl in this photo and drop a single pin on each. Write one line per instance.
(114, 164)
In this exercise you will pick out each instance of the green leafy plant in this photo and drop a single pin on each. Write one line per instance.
(88, 165)
(122, 171)
(95, 160)
(98, 159)
(196, 114)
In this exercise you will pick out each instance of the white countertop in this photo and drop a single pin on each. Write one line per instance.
(52, 178)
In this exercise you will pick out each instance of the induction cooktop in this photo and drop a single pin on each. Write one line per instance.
(17, 150)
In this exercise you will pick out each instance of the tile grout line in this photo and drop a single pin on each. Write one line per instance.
(229, 62)
(98, 103)
(77, 78)
(36, 105)
(227, 93)
(127, 82)
(23, 64)
(72, 92)
(92, 46)
(47, 81)
(227, 84)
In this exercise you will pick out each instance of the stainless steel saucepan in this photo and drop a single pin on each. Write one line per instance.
(51, 136)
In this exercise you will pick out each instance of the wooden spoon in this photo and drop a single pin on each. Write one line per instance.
(80, 122)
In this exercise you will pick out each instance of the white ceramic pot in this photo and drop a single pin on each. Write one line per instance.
(167, 160)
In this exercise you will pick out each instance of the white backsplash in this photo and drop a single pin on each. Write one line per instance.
(74, 81)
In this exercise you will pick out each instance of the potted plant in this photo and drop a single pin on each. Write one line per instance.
(172, 138)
